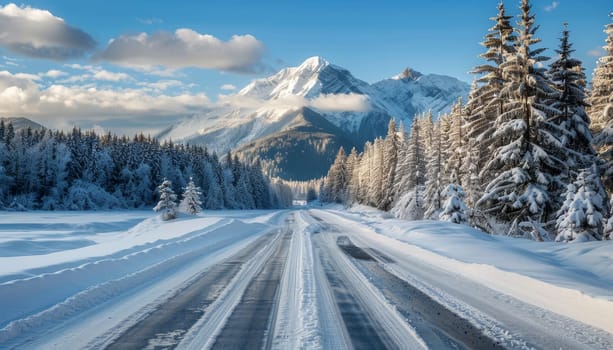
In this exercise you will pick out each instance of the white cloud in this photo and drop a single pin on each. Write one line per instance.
(185, 48)
(38, 33)
(95, 73)
(150, 21)
(554, 5)
(110, 76)
(324, 103)
(597, 52)
(61, 105)
(162, 85)
(341, 102)
(228, 87)
(53, 73)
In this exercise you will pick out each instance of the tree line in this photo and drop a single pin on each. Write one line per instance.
(53, 170)
(529, 154)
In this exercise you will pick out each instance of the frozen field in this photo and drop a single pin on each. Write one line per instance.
(293, 279)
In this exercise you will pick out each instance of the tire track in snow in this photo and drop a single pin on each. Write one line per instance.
(307, 317)
(370, 321)
(437, 325)
(165, 326)
(515, 323)
(204, 333)
(251, 321)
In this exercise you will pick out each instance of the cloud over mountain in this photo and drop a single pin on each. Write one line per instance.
(38, 33)
(185, 48)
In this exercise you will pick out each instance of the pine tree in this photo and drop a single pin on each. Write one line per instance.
(604, 141)
(402, 164)
(571, 125)
(167, 203)
(608, 228)
(191, 202)
(601, 95)
(454, 210)
(434, 171)
(601, 108)
(416, 155)
(375, 184)
(457, 141)
(582, 216)
(390, 161)
(353, 171)
(527, 153)
(335, 184)
(486, 100)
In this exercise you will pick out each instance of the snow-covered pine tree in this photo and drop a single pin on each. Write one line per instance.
(335, 186)
(527, 153)
(375, 184)
(191, 202)
(472, 151)
(608, 228)
(604, 142)
(434, 170)
(390, 161)
(411, 203)
(353, 183)
(456, 147)
(365, 172)
(582, 216)
(568, 77)
(416, 155)
(601, 108)
(486, 100)
(167, 204)
(572, 122)
(454, 210)
(402, 164)
(602, 85)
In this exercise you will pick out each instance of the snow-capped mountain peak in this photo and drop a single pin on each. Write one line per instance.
(408, 74)
(293, 81)
(313, 64)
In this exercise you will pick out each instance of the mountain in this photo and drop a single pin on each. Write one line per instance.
(302, 150)
(21, 123)
(300, 109)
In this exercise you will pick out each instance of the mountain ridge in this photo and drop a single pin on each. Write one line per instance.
(360, 111)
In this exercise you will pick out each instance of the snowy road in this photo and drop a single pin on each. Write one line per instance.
(279, 280)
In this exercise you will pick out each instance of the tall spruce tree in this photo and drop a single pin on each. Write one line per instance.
(486, 99)
(526, 151)
(568, 77)
(390, 161)
(433, 201)
(572, 124)
(601, 108)
(601, 95)
(335, 186)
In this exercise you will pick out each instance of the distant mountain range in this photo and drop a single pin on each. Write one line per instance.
(295, 121)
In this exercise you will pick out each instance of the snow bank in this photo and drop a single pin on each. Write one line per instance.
(574, 280)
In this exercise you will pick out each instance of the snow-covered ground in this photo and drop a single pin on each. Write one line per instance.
(91, 258)
(82, 280)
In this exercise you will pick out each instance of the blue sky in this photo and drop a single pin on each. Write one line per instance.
(147, 81)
